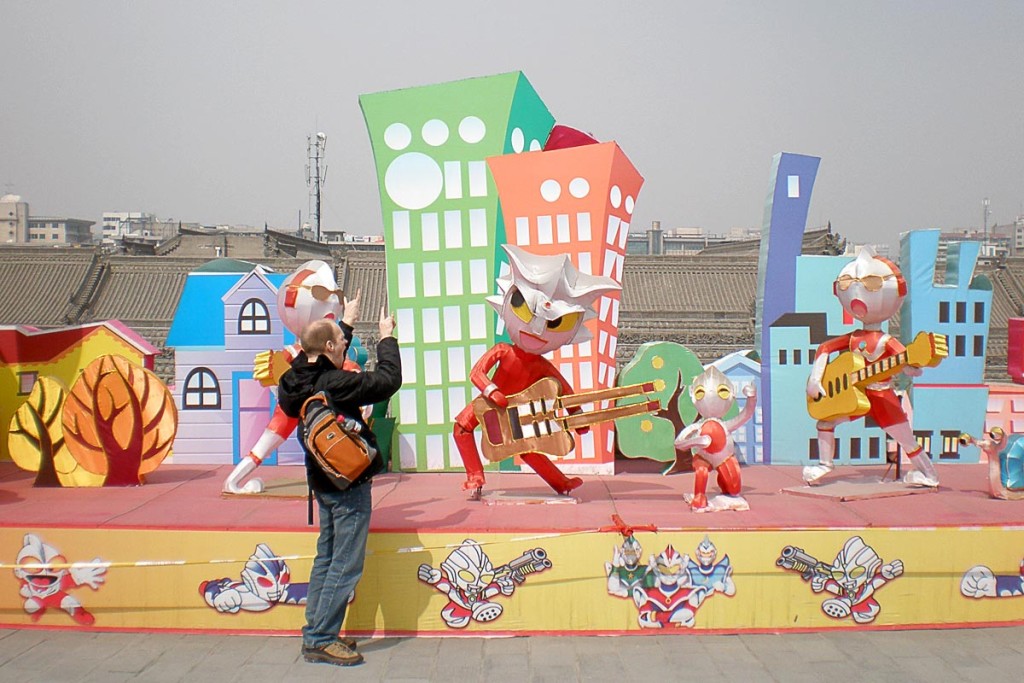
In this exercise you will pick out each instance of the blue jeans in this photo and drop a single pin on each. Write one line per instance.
(340, 551)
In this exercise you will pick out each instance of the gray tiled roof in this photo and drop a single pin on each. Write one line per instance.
(704, 301)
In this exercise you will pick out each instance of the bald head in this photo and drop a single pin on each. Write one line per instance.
(314, 336)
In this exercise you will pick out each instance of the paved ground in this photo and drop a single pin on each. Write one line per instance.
(990, 655)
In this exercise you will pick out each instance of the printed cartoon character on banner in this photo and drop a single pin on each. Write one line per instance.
(543, 304)
(668, 597)
(716, 577)
(265, 581)
(981, 582)
(625, 572)
(470, 581)
(1005, 462)
(45, 580)
(310, 293)
(854, 577)
(711, 439)
(858, 381)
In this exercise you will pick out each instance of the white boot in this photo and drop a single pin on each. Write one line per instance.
(924, 473)
(245, 467)
(826, 449)
(813, 473)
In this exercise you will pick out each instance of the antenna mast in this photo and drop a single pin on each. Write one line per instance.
(316, 175)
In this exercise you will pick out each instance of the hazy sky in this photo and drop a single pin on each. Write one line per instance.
(199, 110)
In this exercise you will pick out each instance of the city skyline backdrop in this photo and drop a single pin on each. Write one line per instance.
(200, 112)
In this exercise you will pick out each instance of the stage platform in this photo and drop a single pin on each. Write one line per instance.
(172, 555)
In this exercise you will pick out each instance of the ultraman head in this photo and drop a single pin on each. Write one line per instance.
(34, 567)
(712, 393)
(855, 564)
(544, 300)
(266, 575)
(706, 553)
(469, 569)
(308, 294)
(669, 568)
(631, 552)
(870, 288)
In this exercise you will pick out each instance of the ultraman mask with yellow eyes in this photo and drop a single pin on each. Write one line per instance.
(855, 564)
(870, 288)
(544, 300)
(712, 393)
(308, 294)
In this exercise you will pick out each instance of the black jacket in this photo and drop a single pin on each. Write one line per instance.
(347, 392)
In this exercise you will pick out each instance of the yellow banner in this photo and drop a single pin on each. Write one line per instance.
(480, 583)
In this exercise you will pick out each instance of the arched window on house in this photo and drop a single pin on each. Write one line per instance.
(202, 391)
(254, 318)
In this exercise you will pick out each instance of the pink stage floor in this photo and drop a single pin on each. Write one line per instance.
(189, 497)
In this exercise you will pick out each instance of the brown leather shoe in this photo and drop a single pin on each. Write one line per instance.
(336, 653)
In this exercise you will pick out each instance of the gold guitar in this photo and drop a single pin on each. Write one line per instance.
(847, 375)
(537, 419)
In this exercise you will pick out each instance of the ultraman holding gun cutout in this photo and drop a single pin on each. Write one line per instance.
(858, 381)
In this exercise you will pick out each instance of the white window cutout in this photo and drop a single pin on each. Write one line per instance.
(613, 227)
(545, 230)
(479, 281)
(476, 351)
(453, 278)
(452, 324)
(406, 281)
(431, 368)
(407, 451)
(429, 230)
(406, 325)
(583, 227)
(456, 364)
(434, 444)
(566, 370)
(456, 402)
(609, 263)
(435, 406)
(624, 235)
(793, 186)
(408, 365)
(432, 279)
(602, 341)
(452, 180)
(562, 221)
(615, 312)
(453, 229)
(585, 265)
(431, 325)
(583, 349)
(478, 228)
(407, 406)
(586, 446)
(522, 231)
(477, 179)
(586, 375)
(400, 230)
(477, 314)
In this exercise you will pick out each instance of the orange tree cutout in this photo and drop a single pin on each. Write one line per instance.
(119, 421)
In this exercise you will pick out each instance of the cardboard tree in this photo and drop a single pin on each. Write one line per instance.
(576, 201)
(442, 229)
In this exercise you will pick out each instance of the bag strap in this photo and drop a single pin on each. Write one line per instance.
(318, 396)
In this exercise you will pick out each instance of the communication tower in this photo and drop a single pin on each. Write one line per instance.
(316, 175)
